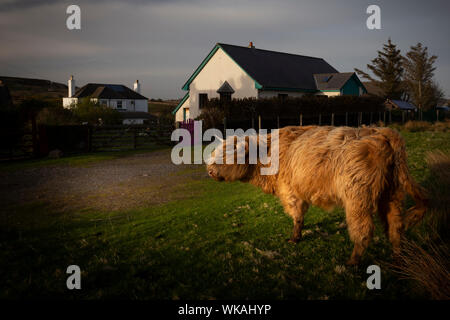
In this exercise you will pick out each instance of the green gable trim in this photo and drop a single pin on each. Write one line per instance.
(206, 60)
(181, 103)
(200, 67)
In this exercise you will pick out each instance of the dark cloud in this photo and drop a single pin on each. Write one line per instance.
(162, 42)
(11, 5)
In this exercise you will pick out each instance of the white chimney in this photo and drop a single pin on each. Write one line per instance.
(71, 86)
(137, 86)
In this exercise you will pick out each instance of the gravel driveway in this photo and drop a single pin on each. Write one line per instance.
(124, 183)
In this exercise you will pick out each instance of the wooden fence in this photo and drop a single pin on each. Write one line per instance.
(112, 138)
(354, 119)
(73, 139)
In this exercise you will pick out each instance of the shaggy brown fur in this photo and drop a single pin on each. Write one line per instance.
(363, 170)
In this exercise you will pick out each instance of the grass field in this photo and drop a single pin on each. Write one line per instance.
(223, 241)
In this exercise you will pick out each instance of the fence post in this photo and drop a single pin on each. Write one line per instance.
(134, 138)
(301, 119)
(259, 123)
(371, 117)
(403, 116)
(332, 118)
(278, 122)
(379, 116)
(224, 125)
(359, 119)
(390, 116)
(437, 114)
(384, 117)
(346, 118)
(320, 119)
(253, 123)
(89, 138)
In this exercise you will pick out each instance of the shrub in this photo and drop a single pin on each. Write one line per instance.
(56, 114)
(95, 113)
(441, 126)
(425, 260)
(212, 118)
(416, 126)
(247, 108)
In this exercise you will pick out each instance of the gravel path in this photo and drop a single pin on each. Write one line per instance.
(123, 183)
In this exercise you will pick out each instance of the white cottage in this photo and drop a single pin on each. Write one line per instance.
(132, 105)
(231, 71)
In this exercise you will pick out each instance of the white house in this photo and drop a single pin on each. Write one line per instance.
(231, 71)
(132, 105)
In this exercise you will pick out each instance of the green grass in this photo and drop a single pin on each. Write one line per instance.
(226, 241)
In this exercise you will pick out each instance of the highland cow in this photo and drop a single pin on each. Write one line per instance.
(363, 170)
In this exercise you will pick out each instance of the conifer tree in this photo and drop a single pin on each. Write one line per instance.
(419, 72)
(388, 71)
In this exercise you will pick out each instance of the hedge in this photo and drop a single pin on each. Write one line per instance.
(248, 108)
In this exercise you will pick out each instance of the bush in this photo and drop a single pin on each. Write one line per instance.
(425, 260)
(212, 118)
(95, 113)
(56, 114)
(416, 126)
(247, 108)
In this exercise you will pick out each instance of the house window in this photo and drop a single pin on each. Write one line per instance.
(282, 96)
(225, 96)
(119, 104)
(132, 105)
(202, 100)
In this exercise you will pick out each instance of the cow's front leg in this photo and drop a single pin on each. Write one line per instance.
(296, 208)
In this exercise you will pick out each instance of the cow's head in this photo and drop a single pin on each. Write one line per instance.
(217, 166)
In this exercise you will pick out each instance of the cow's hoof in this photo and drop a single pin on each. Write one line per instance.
(352, 262)
(293, 240)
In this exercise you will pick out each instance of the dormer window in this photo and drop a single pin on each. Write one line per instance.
(119, 104)
(225, 91)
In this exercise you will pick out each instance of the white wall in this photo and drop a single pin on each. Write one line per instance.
(179, 113)
(329, 93)
(219, 69)
(141, 105)
(67, 102)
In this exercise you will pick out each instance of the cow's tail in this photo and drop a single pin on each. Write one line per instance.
(404, 179)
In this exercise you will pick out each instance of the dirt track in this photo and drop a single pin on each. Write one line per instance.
(124, 183)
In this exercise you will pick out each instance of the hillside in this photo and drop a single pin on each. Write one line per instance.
(22, 88)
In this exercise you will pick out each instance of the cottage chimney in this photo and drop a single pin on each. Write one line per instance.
(71, 87)
(250, 45)
(137, 86)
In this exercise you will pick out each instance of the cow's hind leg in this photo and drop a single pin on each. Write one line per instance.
(391, 210)
(360, 229)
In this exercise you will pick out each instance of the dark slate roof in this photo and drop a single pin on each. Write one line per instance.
(403, 105)
(225, 88)
(273, 69)
(332, 81)
(107, 91)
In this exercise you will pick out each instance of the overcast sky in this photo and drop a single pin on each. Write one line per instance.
(162, 42)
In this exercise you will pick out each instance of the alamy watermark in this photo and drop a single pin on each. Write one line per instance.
(374, 20)
(73, 21)
(242, 147)
(74, 280)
